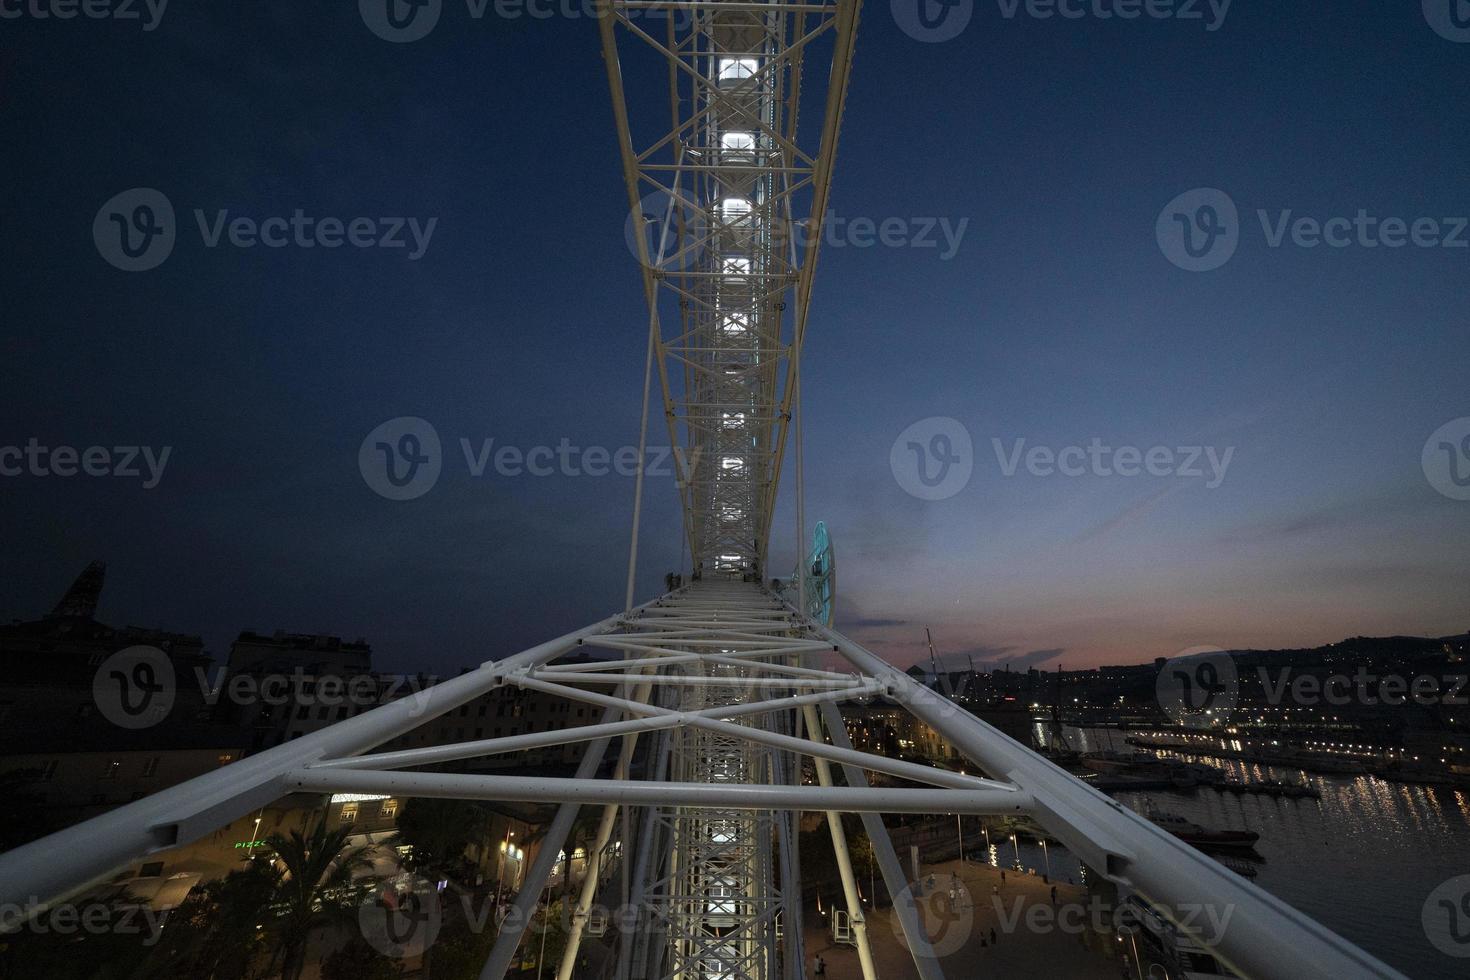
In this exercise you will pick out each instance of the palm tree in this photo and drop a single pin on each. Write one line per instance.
(214, 934)
(317, 887)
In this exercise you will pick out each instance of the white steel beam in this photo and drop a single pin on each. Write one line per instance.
(899, 890)
(740, 796)
(1266, 937)
(69, 860)
(855, 914)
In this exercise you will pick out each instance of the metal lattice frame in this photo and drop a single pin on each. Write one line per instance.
(717, 198)
(721, 671)
(676, 677)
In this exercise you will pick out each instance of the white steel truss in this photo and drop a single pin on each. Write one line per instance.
(726, 201)
(725, 669)
(735, 686)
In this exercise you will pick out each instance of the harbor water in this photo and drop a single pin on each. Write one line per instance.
(1362, 859)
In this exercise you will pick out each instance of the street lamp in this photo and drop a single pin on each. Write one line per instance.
(254, 836)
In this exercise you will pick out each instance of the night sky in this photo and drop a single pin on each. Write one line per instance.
(1057, 320)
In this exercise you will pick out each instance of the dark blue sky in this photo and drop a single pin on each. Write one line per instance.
(1058, 319)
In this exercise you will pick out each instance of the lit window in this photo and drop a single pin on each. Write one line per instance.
(389, 808)
(738, 141)
(722, 896)
(737, 69)
(349, 812)
(734, 208)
